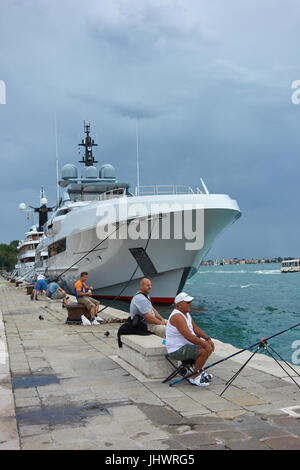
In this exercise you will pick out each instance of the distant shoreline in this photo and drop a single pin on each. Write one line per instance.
(224, 262)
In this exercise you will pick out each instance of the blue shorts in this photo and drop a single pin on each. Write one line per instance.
(41, 284)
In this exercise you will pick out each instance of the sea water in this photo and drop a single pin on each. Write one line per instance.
(242, 303)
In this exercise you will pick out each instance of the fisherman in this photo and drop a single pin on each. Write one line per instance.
(55, 292)
(40, 285)
(185, 340)
(83, 294)
(141, 305)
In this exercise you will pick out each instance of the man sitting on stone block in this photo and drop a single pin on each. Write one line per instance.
(185, 340)
(55, 292)
(83, 294)
(141, 305)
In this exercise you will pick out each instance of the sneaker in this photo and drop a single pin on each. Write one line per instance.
(85, 321)
(94, 322)
(207, 376)
(200, 381)
(98, 318)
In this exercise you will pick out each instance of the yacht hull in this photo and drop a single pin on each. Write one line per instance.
(116, 266)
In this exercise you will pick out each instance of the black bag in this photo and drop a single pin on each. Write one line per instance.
(135, 326)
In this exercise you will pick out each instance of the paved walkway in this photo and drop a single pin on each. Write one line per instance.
(70, 393)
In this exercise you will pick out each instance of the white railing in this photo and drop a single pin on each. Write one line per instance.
(155, 190)
(119, 192)
(92, 197)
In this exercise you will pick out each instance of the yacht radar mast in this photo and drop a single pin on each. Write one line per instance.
(88, 143)
(42, 210)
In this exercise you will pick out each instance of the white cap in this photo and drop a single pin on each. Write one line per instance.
(183, 297)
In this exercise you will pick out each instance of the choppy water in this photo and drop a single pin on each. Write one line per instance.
(243, 303)
(246, 302)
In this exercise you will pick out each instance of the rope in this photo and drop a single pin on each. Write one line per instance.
(137, 266)
(85, 255)
(127, 282)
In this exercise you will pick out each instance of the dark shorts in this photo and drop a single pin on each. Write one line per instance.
(188, 351)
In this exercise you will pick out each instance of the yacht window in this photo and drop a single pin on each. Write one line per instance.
(62, 212)
(57, 247)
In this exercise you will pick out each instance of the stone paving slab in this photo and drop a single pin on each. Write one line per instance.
(99, 402)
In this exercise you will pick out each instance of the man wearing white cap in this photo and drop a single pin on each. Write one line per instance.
(185, 340)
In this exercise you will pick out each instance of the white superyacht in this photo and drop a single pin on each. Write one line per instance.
(119, 237)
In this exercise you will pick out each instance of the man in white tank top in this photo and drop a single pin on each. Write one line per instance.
(185, 340)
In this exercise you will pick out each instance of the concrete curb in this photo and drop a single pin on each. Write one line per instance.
(9, 436)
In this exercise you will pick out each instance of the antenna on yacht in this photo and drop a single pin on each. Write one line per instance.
(56, 152)
(88, 143)
(137, 159)
(204, 186)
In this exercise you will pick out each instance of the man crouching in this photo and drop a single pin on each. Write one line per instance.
(185, 340)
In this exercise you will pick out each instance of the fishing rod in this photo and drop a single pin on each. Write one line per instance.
(98, 244)
(132, 275)
(85, 255)
(250, 347)
(247, 348)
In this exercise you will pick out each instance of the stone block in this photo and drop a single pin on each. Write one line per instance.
(146, 354)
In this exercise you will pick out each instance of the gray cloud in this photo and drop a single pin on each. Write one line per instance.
(210, 86)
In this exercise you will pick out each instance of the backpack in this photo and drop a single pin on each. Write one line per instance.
(135, 326)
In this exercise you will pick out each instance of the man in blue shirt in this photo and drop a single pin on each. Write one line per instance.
(55, 292)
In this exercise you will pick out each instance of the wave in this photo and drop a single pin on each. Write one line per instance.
(223, 272)
(247, 285)
(270, 309)
(268, 271)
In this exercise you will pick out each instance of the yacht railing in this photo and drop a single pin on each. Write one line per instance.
(156, 190)
(117, 192)
(92, 197)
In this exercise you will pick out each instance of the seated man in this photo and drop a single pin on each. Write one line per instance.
(55, 292)
(185, 340)
(83, 294)
(141, 305)
(40, 285)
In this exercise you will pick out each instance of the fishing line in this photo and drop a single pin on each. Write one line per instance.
(98, 244)
(85, 255)
(137, 266)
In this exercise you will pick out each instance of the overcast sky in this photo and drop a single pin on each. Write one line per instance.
(210, 82)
